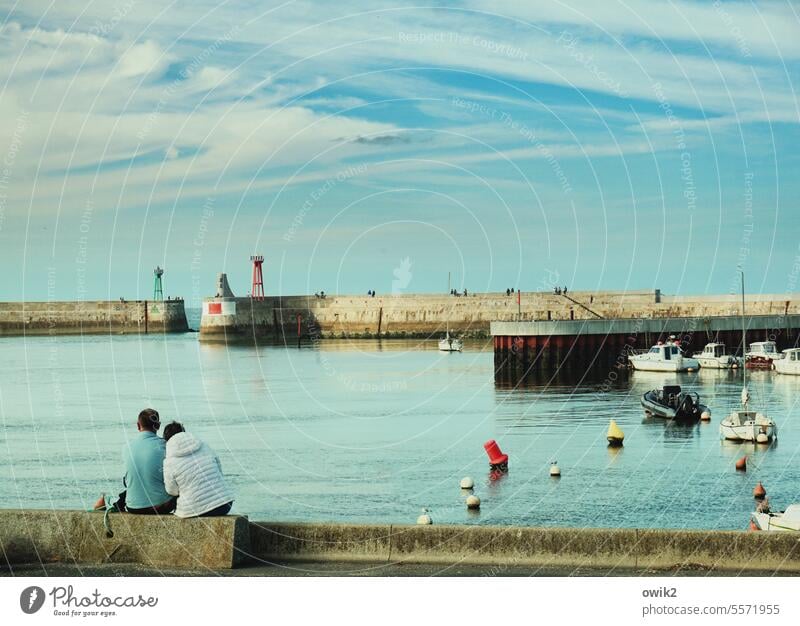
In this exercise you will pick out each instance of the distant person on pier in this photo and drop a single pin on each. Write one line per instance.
(508, 292)
(144, 470)
(465, 292)
(193, 473)
(565, 290)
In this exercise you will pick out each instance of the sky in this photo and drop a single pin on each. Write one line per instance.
(356, 146)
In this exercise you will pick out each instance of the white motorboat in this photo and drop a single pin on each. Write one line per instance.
(790, 363)
(762, 355)
(450, 344)
(746, 425)
(767, 520)
(713, 357)
(664, 357)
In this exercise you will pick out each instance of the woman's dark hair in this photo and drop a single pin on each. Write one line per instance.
(172, 429)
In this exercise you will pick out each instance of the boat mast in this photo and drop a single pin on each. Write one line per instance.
(447, 318)
(744, 356)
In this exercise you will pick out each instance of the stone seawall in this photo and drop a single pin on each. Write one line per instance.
(218, 543)
(92, 317)
(276, 318)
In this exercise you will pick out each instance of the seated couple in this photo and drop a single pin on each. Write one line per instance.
(178, 473)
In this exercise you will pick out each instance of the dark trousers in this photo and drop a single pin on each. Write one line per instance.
(219, 511)
(162, 509)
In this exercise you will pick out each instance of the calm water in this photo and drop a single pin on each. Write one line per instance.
(371, 432)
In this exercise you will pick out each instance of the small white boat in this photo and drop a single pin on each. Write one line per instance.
(762, 355)
(450, 344)
(744, 425)
(664, 357)
(767, 520)
(747, 425)
(713, 357)
(790, 363)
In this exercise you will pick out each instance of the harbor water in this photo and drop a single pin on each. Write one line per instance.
(373, 431)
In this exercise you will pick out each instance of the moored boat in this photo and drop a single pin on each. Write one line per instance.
(450, 344)
(743, 424)
(764, 519)
(663, 357)
(762, 355)
(747, 425)
(713, 357)
(790, 363)
(670, 402)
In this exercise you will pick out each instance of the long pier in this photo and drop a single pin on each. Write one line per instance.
(92, 317)
(550, 346)
(289, 318)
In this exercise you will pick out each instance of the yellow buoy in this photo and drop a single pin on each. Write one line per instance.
(615, 435)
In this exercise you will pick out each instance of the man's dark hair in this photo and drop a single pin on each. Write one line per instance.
(171, 429)
(149, 420)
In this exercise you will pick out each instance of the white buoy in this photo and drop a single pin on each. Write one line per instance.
(762, 438)
(467, 483)
(555, 472)
(705, 416)
(473, 502)
(424, 518)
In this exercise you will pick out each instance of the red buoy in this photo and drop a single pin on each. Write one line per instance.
(741, 464)
(759, 491)
(496, 457)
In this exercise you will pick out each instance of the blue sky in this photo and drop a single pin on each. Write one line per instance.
(620, 145)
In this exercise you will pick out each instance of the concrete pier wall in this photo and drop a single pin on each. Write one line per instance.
(92, 317)
(33, 536)
(275, 318)
(505, 546)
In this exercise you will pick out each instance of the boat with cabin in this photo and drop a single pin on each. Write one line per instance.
(663, 357)
(762, 355)
(790, 363)
(713, 356)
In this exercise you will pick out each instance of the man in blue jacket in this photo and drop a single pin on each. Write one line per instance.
(144, 469)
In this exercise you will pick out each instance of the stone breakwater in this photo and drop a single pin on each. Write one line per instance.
(283, 318)
(92, 317)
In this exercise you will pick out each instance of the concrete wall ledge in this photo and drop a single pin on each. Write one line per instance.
(34, 536)
(521, 546)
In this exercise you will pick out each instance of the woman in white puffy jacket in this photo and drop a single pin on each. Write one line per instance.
(193, 473)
